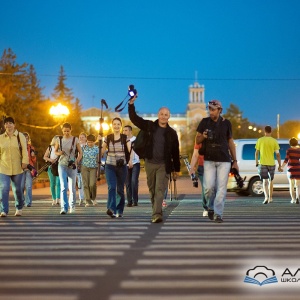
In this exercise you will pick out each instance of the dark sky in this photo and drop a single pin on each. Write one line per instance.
(245, 52)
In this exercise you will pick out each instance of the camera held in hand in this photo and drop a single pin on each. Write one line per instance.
(239, 180)
(195, 180)
(210, 134)
(32, 170)
(132, 91)
(71, 164)
(120, 162)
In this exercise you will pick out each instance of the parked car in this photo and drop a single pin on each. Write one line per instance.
(245, 155)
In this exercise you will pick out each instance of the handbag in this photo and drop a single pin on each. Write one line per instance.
(54, 168)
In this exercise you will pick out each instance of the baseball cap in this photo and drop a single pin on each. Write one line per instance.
(215, 104)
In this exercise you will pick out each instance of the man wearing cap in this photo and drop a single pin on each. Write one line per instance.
(13, 160)
(215, 134)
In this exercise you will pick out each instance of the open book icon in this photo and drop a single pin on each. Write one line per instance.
(260, 275)
(255, 281)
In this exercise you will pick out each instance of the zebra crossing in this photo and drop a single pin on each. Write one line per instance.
(86, 255)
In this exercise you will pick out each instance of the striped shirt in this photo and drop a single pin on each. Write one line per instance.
(116, 151)
(292, 160)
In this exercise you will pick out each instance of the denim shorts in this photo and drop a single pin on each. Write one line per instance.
(266, 172)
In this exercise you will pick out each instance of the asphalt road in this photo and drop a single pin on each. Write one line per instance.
(87, 255)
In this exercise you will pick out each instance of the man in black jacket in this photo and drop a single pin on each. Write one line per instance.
(161, 155)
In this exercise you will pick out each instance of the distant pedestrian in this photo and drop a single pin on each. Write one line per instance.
(28, 173)
(66, 149)
(118, 156)
(13, 160)
(132, 180)
(215, 134)
(265, 147)
(161, 155)
(51, 157)
(89, 165)
(292, 160)
(197, 168)
(83, 144)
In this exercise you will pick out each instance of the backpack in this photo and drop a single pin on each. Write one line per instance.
(110, 138)
(140, 143)
(54, 166)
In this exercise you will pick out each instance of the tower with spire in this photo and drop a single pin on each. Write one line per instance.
(196, 108)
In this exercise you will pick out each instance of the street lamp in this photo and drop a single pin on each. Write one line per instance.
(59, 112)
(105, 126)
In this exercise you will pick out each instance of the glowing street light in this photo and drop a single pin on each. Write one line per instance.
(105, 126)
(59, 112)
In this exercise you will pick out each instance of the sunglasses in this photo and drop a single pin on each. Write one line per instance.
(214, 103)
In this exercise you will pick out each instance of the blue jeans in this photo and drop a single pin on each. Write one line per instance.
(115, 178)
(54, 185)
(67, 176)
(27, 187)
(16, 183)
(132, 183)
(215, 185)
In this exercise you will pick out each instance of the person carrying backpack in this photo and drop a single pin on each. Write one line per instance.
(13, 160)
(67, 165)
(161, 155)
(118, 156)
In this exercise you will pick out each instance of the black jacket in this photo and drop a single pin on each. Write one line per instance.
(171, 151)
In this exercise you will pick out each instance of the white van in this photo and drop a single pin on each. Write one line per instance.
(245, 155)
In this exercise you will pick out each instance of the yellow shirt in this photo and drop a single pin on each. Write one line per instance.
(10, 156)
(267, 146)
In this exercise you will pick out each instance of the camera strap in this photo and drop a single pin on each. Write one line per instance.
(20, 147)
(71, 149)
(118, 109)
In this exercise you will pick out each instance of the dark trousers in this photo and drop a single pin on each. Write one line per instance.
(132, 184)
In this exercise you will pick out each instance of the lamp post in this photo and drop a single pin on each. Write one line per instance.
(59, 112)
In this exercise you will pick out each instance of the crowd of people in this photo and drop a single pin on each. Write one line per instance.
(74, 161)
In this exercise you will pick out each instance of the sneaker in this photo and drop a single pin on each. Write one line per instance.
(18, 213)
(157, 220)
(110, 213)
(95, 202)
(297, 201)
(210, 214)
(270, 200)
(72, 210)
(28, 205)
(80, 202)
(135, 204)
(63, 212)
(205, 213)
(164, 204)
(129, 205)
(265, 201)
(293, 201)
(3, 215)
(119, 216)
(88, 203)
(218, 219)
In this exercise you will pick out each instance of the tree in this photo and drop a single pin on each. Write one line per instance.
(289, 129)
(62, 94)
(13, 84)
(241, 127)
